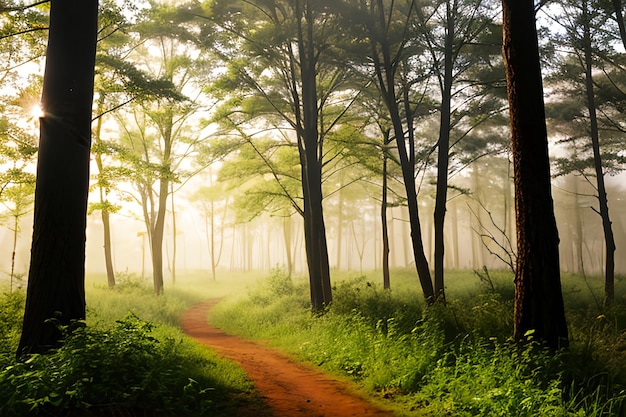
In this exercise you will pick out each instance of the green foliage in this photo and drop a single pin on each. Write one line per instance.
(136, 366)
(127, 365)
(454, 360)
(11, 315)
(278, 285)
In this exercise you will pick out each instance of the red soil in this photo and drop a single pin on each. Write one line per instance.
(290, 389)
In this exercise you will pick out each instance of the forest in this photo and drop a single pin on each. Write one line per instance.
(421, 199)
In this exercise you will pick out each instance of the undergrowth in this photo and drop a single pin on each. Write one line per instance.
(130, 357)
(453, 360)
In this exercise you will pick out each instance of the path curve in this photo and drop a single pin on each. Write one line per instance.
(290, 389)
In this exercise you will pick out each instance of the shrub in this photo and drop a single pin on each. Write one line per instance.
(125, 366)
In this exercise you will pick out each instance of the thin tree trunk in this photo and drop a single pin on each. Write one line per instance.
(56, 281)
(15, 230)
(174, 232)
(383, 218)
(609, 240)
(104, 211)
(619, 16)
(538, 298)
(287, 236)
(157, 239)
(443, 149)
(385, 67)
(339, 236)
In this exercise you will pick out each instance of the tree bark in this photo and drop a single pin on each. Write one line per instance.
(609, 239)
(156, 238)
(385, 68)
(538, 298)
(56, 281)
(443, 149)
(310, 148)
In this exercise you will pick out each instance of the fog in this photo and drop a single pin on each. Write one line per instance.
(474, 238)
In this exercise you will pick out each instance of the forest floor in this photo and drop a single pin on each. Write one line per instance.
(290, 389)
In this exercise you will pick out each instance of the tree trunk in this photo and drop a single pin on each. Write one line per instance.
(310, 148)
(385, 73)
(383, 219)
(339, 236)
(16, 226)
(538, 298)
(619, 16)
(443, 149)
(287, 232)
(108, 255)
(56, 281)
(156, 241)
(104, 212)
(609, 240)
(174, 232)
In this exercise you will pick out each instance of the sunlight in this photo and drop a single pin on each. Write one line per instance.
(36, 111)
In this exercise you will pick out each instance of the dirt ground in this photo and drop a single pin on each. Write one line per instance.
(290, 389)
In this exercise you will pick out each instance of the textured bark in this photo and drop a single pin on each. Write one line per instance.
(538, 299)
(310, 147)
(56, 281)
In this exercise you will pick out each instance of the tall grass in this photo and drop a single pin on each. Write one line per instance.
(130, 358)
(453, 360)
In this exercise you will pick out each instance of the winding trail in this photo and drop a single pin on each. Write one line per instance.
(290, 389)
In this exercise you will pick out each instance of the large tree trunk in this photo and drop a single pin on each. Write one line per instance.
(56, 281)
(538, 298)
(310, 148)
(609, 239)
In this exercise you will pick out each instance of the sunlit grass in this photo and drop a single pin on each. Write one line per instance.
(453, 360)
(131, 356)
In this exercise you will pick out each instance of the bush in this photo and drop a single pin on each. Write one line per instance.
(126, 365)
(11, 316)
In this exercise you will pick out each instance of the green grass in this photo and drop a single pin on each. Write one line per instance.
(130, 357)
(454, 360)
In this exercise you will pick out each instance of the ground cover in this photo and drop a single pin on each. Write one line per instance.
(128, 359)
(453, 360)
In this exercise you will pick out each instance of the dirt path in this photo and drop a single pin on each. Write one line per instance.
(290, 389)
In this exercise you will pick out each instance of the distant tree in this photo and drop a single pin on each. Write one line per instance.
(18, 200)
(464, 42)
(284, 75)
(56, 291)
(538, 298)
(213, 200)
(589, 86)
(390, 53)
(159, 130)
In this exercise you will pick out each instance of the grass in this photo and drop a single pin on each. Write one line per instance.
(130, 358)
(454, 360)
